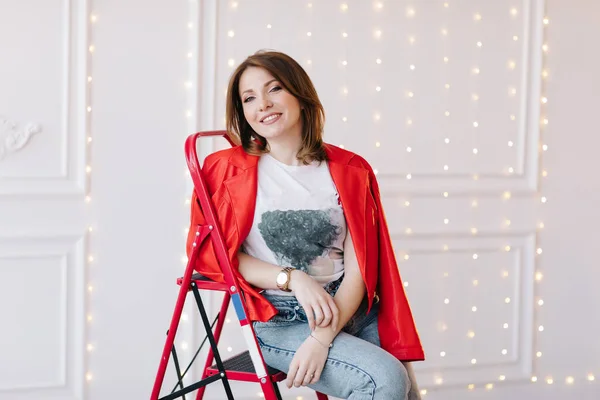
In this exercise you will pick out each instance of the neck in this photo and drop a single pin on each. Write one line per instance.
(286, 148)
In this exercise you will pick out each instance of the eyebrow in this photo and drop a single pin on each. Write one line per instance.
(265, 85)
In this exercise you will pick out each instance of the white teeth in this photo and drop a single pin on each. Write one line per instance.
(270, 118)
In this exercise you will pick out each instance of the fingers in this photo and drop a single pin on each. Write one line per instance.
(310, 316)
(326, 320)
(335, 313)
(291, 374)
(308, 377)
(317, 376)
(319, 314)
(300, 376)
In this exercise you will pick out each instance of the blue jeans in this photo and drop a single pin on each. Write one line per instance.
(357, 368)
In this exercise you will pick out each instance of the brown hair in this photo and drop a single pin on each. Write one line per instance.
(297, 82)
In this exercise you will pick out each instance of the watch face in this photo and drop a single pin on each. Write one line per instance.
(281, 278)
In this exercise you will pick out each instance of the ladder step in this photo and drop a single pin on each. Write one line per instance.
(242, 368)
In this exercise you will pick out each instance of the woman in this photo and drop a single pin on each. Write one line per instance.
(308, 240)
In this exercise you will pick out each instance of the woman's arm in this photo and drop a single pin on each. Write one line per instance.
(257, 272)
(320, 308)
(349, 295)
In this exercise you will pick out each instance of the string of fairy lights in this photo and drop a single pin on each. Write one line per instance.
(90, 345)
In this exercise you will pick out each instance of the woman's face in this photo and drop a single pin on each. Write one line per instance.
(270, 110)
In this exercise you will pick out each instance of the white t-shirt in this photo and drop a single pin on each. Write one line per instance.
(298, 220)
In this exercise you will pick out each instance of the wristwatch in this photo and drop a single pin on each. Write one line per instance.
(283, 279)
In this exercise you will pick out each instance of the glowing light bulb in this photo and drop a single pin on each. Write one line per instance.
(475, 256)
(507, 300)
(474, 361)
(591, 377)
(505, 326)
(231, 33)
(471, 334)
(569, 380)
(534, 379)
(539, 276)
(538, 354)
(541, 328)
(443, 354)
(446, 301)
(410, 12)
(475, 282)
(475, 151)
(540, 302)
(504, 352)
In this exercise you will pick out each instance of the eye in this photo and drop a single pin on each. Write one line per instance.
(275, 88)
(248, 99)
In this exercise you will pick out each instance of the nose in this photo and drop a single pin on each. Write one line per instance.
(264, 104)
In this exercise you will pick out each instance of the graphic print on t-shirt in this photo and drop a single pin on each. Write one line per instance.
(304, 239)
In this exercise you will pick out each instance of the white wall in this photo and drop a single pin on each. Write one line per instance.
(155, 79)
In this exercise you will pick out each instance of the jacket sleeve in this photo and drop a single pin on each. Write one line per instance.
(395, 313)
(206, 263)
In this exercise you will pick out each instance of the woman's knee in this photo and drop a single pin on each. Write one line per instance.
(391, 380)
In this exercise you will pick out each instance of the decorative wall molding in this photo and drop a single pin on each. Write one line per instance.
(14, 137)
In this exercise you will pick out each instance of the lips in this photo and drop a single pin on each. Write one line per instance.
(270, 118)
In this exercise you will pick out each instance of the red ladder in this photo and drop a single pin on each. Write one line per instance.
(248, 366)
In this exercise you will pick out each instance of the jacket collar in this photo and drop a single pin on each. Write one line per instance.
(351, 182)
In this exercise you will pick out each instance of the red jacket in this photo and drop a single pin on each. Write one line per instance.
(231, 178)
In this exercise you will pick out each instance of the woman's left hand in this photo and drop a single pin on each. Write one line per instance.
(309, 359)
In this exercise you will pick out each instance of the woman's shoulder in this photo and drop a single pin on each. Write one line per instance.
(235, 156)
(346, 157)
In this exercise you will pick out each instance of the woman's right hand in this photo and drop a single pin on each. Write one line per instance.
(319, 306)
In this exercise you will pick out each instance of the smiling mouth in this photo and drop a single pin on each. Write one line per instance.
(270, 119)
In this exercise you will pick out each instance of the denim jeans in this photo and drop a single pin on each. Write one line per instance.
(357, 368)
